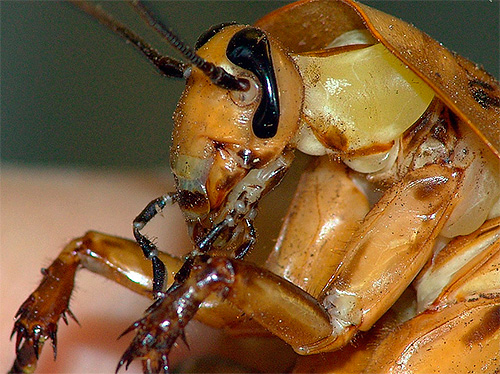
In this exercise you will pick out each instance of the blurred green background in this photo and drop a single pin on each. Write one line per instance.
(73, 94)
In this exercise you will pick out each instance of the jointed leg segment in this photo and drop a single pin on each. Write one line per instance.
(279, 306)
(114, 258)
(149, 248)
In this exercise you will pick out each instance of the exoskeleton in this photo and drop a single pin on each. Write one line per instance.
(393, 235)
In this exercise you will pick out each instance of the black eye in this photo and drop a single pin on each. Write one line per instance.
(249, 48)
(207, 35)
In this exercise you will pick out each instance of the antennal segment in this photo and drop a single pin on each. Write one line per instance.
(166, 65)
(217, 74)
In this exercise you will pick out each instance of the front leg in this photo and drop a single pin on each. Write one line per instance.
(368, 273)
(114, 258)
(276, 304)
(387, 251)
(384, 256)
(457, 325)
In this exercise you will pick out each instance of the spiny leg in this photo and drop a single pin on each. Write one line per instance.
(115, 258)
(167, 317)
(276, 304)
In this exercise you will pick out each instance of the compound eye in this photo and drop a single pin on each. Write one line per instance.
(245, 98)
(250, 49)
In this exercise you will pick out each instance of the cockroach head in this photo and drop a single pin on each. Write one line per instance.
(221, 134)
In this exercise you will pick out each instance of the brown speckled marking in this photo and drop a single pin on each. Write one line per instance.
(430, 187)
(487, 327)
(482, 93)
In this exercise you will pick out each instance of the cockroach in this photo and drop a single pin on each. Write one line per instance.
(393, 236)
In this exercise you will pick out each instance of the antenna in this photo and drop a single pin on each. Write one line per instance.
(168, 66)
(218, 75)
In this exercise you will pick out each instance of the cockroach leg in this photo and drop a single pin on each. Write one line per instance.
(268, 299)
(248, 243)
(115, 258)
(205, 244)
(148, 247)
(167, 317)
